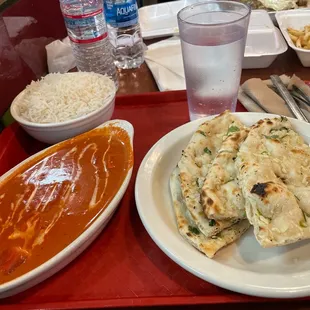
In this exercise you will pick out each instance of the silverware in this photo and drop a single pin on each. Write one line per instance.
(301, 95)
(276, 81)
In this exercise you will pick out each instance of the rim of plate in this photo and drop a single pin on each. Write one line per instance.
(228, 277)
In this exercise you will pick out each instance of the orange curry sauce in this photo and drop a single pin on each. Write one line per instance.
(48, 202)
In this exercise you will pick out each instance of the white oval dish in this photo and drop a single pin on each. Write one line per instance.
(56, 132)
(74, 249)
(244, 266)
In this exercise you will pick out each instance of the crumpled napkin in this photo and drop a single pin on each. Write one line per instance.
(256, 96)
(165, 61)
(59, 56)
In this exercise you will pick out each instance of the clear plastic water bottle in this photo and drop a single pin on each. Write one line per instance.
(124, 32)
(87, 31)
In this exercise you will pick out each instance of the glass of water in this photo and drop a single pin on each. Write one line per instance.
(213, 36)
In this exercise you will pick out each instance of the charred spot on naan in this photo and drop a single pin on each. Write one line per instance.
(299, 152)
(235, 137)
(210, 202)
(258, 124)
(259, 189)
(265, 189)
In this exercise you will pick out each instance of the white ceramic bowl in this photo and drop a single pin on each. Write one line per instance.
(55, 132)
(76, 247)
(296, 19)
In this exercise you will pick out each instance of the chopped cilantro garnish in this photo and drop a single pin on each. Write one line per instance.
(283, 119)
(305, 215)
(272, 137)
(264, 153)
(206, 150)
(259, 212)
(233, 129)
(193, 230)
(303, 223)
(277, 129)
(202, 133)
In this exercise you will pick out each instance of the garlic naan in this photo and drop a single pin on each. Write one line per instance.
(221, 196)
(274, 174)
(194, 165)
(190, 232)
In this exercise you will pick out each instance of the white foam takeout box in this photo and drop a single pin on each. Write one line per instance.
(264, 40)
(296, 19)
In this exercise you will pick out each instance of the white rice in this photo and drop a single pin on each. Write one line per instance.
(60, 97)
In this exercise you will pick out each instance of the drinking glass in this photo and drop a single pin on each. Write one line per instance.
(213, 36)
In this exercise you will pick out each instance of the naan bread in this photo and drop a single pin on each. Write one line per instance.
(190, 232)
(274, 174)
(194, 165)
(221, 196)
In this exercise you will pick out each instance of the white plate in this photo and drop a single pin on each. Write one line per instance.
(77, 246)
(244, 266)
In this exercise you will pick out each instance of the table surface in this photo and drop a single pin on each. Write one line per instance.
(141, 80)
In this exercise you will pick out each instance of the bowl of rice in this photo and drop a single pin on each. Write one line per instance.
(61, 106)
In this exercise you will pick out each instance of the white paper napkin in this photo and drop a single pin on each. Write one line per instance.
(252, 106)
(59, 56)
(164, 59)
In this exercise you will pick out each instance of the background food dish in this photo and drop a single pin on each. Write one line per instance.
(296, 19)
(277, 5)
(301, 37)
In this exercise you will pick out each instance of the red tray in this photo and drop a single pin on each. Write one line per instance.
(123, 267)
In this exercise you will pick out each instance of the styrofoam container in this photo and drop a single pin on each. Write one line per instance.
(160, 20)
(264, 41)
(296, 19)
